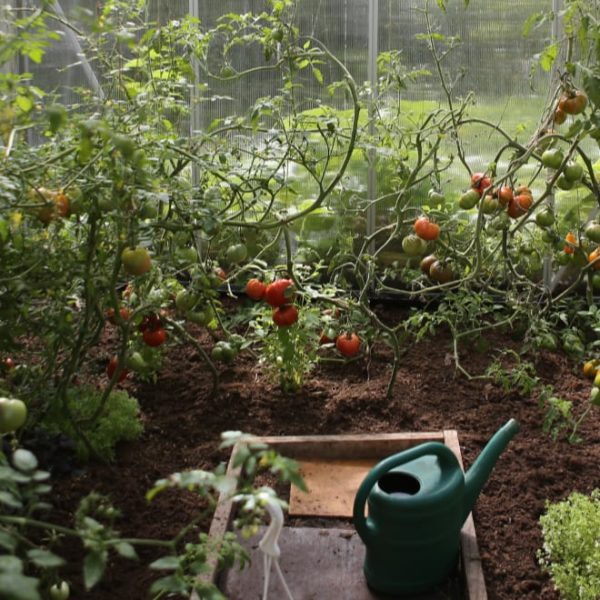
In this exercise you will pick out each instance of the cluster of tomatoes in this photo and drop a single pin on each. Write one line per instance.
(571, 102)
(280, 295)
(574, 246)
(591, 369)
(517, 202)
(416, 244)
(153, 334)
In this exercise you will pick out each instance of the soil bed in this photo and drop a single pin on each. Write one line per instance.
(183, 426)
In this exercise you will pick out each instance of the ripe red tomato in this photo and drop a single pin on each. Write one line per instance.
(348, 344)
(8, 364)
(519, 205)
(155, 337)
(110, 315)
(573, 103)
(480, 182)
(441, 272)
(285, 315)
(593, 256)
(280, 292)
(571, 242)
(426, 263)
(560, 116)
(255, 289)
(505, 195)
(426, 230)
(112, 367)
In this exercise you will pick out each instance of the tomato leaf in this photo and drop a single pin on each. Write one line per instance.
(591, 85)
(93, 568)
(45, 559)
(548, 56)
(166, 563)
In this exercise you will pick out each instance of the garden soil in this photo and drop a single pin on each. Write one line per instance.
(183, 425)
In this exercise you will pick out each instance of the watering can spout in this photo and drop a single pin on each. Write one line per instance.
(480, 470)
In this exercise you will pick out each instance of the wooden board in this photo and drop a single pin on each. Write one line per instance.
(332, 486)
(376, 446)
(318, 564)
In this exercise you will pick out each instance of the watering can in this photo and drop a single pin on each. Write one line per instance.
(418, 501)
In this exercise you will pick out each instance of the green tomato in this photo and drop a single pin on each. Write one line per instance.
(200, 317)
(596, 281)
(148, 210)
(136, 362)
(236, 253)
(436, 197)
(469, 199)
(413, 245)
(60, 591)
(545, 218)
(573, 171)
(501, 222)
(592, 231)
(564, 184)
(489, 205)
(185, 300)
(13, 414)
(552, 158)
(136, 261)
(549, 237)
(224, 352)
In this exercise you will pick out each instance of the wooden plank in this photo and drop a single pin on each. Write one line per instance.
(318, 564)
(348, 446)
(471, 559)
(332, 486)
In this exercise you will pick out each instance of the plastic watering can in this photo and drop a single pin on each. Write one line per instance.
(418, 501)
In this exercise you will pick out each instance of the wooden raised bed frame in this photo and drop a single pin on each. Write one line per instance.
(376, 446)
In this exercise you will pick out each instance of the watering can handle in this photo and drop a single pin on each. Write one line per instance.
(429, 448)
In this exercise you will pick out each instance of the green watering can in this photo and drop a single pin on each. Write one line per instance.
(418, 501)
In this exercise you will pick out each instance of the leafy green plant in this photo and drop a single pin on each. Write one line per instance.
(118, 420)
(28, 567)
(559, 417)
(520, 376)
(571, 553)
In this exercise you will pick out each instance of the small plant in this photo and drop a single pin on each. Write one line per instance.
(571, 553)
(521, 376)
(559, 417)
(103, 425)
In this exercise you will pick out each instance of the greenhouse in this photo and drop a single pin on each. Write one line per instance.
(299, 299)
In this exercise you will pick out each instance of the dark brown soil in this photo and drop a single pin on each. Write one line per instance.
(183, 426)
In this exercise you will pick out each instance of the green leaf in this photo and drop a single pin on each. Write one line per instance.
(126, 550)
(7, 541)
(45, 559)
(11, 565)
(170, 584)
(93, 568)
(531, 21)
(591, 85)
(548, 56)
(9, 499)
(441, 5)
(166, 563)
(24, 460)
(19, 587)
(24, 103)
(318, 75)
